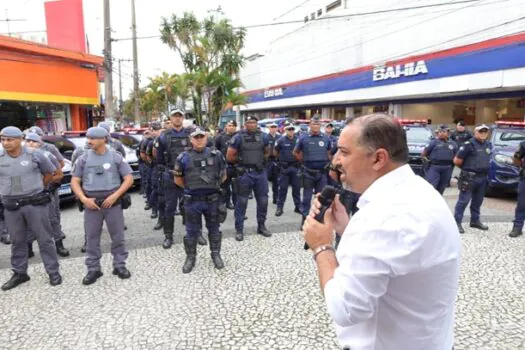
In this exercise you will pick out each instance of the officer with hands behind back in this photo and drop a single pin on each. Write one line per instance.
(100, 180)
(473, 158)
(250, 149)
(200, 172)
(24, 173)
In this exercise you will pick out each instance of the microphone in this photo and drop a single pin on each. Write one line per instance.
(326, 198)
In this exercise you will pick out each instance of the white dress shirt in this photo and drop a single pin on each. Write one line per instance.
(397, 279)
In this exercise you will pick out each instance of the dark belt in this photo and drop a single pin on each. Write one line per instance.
(314, 171)
(38, 199)
(99, 201)
(209, 198)
(245, 169)
(441, 162)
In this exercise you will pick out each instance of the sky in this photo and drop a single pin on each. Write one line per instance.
(154, 56)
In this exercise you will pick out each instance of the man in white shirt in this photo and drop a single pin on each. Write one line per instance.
(394, 280)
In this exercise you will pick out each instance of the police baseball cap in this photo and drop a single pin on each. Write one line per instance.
(33, 137)
(443, 127)
(330, 125)
(11, 131)
(155, 126)
(197, 132)
(232, 122)
(252, 119)
(272, 125)
(37, 130)
(461, 123)
(97, 132)
(315, 119)
(104, 125)
(481, 127)
(288, 126)
(177, 111)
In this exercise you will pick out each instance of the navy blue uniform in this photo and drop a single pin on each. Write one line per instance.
(222, 142)
(142, 165)
(476, 160)
(252, 175)
(272, 168)
(315, 150)
(146, 170)
(289, 168)
(519, 216)
(460, 137)
(333, 151)
(441, 155)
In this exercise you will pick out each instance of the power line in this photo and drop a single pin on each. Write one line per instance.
(290, 10)
(334, 17)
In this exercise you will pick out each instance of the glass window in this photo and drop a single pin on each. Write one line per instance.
(418, 135)
(509, 138)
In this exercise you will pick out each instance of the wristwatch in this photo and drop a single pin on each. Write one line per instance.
(321, 249)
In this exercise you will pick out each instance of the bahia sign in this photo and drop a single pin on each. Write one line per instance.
(273, 92)
(395, 72)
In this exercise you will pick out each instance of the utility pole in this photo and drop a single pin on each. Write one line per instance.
(7, 20)
(135, 62)
(120, 60)
(108, 64)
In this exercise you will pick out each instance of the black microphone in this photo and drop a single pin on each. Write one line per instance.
(326, 198)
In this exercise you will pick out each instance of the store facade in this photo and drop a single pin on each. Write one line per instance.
(55, 89)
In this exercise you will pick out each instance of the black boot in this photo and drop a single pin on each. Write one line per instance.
(479, 226)
(460, 228)
(15, 280)
(190, 246)
(279, 212)
(83, 249)
(159, 225)
(201, 240)
(515, 232)
(263, 231)
(239, 236)
(5, 239)
(169, 223)
(30, 252)
(147, 207)
(63, 252)
(154, 214)
(215, 248)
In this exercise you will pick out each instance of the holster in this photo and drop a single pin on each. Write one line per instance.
(53, 187)
(80, 205)
(465, 180)
(125, 201)
(222, 211)
(42, 198)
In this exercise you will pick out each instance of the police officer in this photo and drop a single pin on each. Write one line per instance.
(24, 173)
(33, 141)
(114, 143)
(473, 158)
(519, 215)
(272, 168)
(460, 135)
(147, 156)
(97, 182)
(329, 131)
(4, 235)
(441, 154)
(249, 149)
(157, 189)
(200, 172)
(146, 173)
(222, 142)
(289, 168)
(143, 166)
(313, 149)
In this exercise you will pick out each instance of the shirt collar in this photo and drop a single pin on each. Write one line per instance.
(385, 184)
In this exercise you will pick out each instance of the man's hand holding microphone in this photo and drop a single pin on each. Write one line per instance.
(327, 214)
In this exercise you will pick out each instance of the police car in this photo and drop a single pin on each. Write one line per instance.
(419, 136)
(503, 175)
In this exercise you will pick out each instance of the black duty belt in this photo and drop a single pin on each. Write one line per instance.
(209, 198)
(314, 171)
(15, 204)
(441, 162)
(249, 169)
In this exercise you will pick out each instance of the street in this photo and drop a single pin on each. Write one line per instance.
(267, 297)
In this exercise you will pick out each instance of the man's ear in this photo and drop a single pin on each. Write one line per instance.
(381, 158)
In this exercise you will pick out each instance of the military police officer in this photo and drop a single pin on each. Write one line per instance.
(250, 149)
(24, 173)
(273, 168)
(97, 182)
(519, 216)
(157, 189)
(143, 168)
(114, 143)
(329, 131)
(460, 135)
(200, 172)
(222, 142)
(473, 158)
(289, 168)
(441, 154)
(313, 150)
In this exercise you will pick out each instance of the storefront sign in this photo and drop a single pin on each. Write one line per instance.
(273, 92)
(395, 72)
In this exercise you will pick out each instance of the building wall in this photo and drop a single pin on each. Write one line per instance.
(439, 113)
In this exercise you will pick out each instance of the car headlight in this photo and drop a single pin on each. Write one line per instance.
(500, 158)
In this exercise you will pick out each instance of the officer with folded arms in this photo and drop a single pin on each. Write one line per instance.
(473, 158)
(97, 182)
(24, 173)
(200, 172)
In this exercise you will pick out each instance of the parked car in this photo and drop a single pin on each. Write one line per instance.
(419, 136)
(66, 148)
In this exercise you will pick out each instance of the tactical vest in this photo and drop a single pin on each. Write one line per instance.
(443, 150)
(286, 149)
(176, 143)
(251, 149)
(20, 176)
(225, 142)
(479, 160)
(100, 172)
(202, 171)
(315, 148)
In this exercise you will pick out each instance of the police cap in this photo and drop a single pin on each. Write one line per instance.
(104, 125)
(443, 127)
(272, 125)
(315, 119)
(481, 127)
(97, 132)
(252, 119)
(37, 130)
(177, 111)
(289, 126)
(11, 131)
(232, 122)
(197, 132)
(33, 137)
(155, 126)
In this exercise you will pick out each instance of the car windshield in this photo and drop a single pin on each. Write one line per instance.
(418, 135)
(79, 141)
(509, 138)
